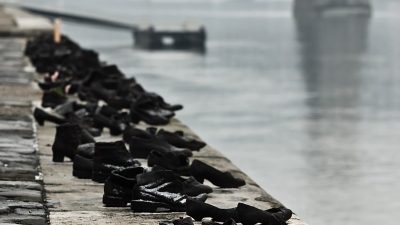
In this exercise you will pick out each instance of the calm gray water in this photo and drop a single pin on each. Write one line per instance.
(309, 107)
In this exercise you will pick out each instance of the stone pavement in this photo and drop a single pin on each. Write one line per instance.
(21, 189)
(21, 186)
(35, 190)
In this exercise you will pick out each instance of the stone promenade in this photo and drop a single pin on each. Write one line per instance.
(33, 189)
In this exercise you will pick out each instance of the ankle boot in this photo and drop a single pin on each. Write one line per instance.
(68, 137)
(199, 210)
(169, 160)
(83, 161)
(249, 215)
(201, 171)
(118, 187)
(41, 116)
(109, 156)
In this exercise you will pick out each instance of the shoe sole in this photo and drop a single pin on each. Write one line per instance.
(112, 201)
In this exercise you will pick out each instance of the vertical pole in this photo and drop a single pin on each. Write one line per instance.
(57, 31)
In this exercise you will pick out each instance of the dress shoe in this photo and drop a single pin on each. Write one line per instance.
(154, 197)
(169, 160)
(173, 183)
(180, 140)
(140, 147)
(201, 171)
(249, 215)
(199, 210)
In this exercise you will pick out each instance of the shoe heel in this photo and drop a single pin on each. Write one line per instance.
(148, 206)
(57, 157)
(111, 201)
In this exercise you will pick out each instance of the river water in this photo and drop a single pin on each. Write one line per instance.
(307, 106)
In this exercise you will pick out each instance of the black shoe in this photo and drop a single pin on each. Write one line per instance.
(52, 99)
(83, 161)
(180, 221)
(152, 198)
(199, 210)
(130, 132)
(249, 215)
(68, 137)
(118, 187)
(41, 116)
(109, 156)
(180, 140)
(201, 171)
(169, 160)
(101, 121)
(173, 183)
(141, 147)
(148, 111)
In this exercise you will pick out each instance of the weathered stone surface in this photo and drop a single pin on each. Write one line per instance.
(21, 198)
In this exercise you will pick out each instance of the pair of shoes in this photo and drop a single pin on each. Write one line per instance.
(202, 171)
(148, 187)
(245, 214)
(68, 137)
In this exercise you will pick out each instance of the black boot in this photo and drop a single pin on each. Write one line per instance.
(68, 137)
(41, 116)
(199, 210)
(118, 187)
(201, 171)
(109, 156)
(83, 161)
(249, 215)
